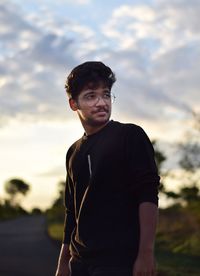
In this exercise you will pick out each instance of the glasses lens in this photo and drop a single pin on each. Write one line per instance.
(91, 101)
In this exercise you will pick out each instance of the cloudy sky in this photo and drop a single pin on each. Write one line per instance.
(153, 46)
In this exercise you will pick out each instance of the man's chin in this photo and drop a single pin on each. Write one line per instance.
(99, 121)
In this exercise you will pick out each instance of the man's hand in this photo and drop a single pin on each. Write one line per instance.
(63, 262)
(63, 269)
(145, 262)
(145, 265)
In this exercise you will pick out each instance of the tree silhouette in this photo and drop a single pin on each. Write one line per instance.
(160, 158)
(190, 165)
(56, 211)
(59, 201)
(190, 162)
(15, 187)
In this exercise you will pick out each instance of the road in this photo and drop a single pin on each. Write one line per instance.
(25, 248)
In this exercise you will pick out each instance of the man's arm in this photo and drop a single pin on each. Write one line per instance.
(145, 263)
(63, 261)
(69, 224)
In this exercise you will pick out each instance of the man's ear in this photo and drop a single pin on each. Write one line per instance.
(73, 104)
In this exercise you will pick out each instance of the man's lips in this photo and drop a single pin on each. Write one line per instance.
(101, 112)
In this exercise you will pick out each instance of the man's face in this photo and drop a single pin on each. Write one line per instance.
(94, 105)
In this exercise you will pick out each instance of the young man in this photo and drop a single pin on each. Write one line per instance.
(111, 187)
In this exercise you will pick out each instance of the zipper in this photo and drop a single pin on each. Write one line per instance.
(89, 165)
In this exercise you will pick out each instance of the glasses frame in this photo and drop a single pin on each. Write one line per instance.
(90, 103)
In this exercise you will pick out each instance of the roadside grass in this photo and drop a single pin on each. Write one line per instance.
(177, 264)
(55, 222)
(55, 230)
(168, 263)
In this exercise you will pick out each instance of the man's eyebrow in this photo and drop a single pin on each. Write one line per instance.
(88, 92)
(106, 89)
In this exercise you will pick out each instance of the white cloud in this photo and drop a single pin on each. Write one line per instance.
(154, 50)
(169, 25)
(75, 2)
(35, 62)
(141, 13)
(156, 54)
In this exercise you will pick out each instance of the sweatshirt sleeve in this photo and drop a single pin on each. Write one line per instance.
(142, 169)
(70, 222)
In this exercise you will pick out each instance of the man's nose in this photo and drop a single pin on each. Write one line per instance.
(100, 101)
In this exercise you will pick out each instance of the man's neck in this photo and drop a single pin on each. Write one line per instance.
(89, 130)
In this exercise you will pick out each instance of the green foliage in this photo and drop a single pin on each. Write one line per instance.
(190, 194)
(176, 264)
(36, 211)
(8, 211)
(55, 215)
(15, 187)
(56, 212)
(190, 149)
(187, 195)
(10, 208)
(178, 229)
(190, 156)
(160, 158)
(55, 231)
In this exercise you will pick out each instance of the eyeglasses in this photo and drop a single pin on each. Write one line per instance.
(93, 99)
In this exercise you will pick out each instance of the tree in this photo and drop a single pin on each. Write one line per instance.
(160, 158)
(190, 149)
(14, 188)
(56, 211)
(178, 229)
(59, 201)
(189, 164)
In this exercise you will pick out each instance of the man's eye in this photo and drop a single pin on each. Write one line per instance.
(90, 97)
(107, 96)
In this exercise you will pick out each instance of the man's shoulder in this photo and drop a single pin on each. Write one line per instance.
(127, 126)
(131, 131)
(72, 148)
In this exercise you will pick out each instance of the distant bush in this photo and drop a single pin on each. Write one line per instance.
(8, 211)
(178, 229)
(36, 211)
(55, 231)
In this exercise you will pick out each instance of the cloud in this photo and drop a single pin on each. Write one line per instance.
(142, 13)
(15, 32)
(153, 49)
(53, 172)
(184, 14)
(75, 2)
(169, 24)
(156, 55)
(80, 2)
(177, 73)
(34, 65)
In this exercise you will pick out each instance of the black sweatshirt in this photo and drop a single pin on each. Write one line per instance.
(109, 174)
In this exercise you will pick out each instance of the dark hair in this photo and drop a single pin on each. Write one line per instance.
(91, 74)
